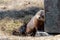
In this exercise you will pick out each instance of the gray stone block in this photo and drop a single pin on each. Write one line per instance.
(52, 10)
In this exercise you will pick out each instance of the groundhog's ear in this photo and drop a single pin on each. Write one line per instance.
(42, 11)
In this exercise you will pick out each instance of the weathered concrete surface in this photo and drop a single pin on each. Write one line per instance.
(52, 23)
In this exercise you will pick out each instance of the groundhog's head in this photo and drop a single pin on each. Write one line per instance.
(40, 15)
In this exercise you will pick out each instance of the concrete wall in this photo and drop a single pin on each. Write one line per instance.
(52, 9)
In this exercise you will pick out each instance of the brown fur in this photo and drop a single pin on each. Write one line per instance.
(36, 23)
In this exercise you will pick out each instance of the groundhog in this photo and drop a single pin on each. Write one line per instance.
(36, 23)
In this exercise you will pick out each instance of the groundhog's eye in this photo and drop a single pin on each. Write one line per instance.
(39, 17)
(42, 16)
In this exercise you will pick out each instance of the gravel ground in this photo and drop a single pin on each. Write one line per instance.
(57, 37)
(4, 36)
